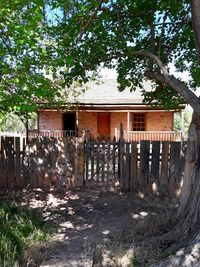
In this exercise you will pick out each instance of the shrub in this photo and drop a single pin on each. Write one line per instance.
(19, 228)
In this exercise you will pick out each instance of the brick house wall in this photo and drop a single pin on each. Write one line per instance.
(87, 121)
(50, 120)
(160, 121)
(155, 121)
(116, 119)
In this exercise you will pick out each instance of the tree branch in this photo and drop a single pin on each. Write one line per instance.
(179, 87)
(196, 23)
(152, 41)
(162, 33)
(89, 21)
(177, 33)
(154, 57)
(119, 20)
(170, 80)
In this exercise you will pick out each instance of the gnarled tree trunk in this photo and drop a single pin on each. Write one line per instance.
(187, 229)
(191, 156)
(189, 211)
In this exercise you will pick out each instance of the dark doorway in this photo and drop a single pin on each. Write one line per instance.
(69, 121)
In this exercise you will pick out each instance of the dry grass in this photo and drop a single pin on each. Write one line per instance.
(114, 255)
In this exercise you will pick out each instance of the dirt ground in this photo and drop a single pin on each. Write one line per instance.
(95, 228)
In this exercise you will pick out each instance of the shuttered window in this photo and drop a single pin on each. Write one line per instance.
(139, 121)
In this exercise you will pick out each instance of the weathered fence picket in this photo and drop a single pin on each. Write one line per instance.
(155, 162)
(174, 170)
(135, 166)
(59, 161)
(144, 163)
(41, 163)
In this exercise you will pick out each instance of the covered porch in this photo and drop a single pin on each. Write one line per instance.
(128, 135)
(138, 125)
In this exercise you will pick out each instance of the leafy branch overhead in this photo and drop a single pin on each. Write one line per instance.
(46, 45)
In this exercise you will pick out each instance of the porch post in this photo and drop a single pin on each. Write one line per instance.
(76, 126)
(182, 122)
(128, 125)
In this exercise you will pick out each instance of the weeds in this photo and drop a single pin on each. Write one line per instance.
(20, 228)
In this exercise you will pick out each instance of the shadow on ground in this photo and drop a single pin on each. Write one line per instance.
(96, 228)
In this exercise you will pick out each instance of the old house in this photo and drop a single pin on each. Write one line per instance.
(100, 111)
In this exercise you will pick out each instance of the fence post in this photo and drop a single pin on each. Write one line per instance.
(121, 160)
(133, 167)
(154, 177)
(121, 132)
(79, 162)
(144, 163)
(164, 164)
(174, 163)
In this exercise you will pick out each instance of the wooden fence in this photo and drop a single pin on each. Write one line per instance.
(68, 161)
(40, 163)
(134, 165)
(12, 151)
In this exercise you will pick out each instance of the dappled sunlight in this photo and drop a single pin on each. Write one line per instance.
(179, 190)
(70, 211)
(84, 226)
(139, 215)
(105, 232)
(143, 214)
(154, 187)
(67, 225)
(40, 161)
(141, 195)
(92, 218)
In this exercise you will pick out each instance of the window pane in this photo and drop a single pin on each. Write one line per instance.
(139, 121)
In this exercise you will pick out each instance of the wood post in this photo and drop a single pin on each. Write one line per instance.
(133, 167)
(144, 163)
(155, 163)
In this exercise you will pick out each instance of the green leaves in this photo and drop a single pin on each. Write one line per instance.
(40, 55)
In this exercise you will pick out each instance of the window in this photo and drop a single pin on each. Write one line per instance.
(139, 121)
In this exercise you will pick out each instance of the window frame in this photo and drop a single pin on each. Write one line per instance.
(144, 124)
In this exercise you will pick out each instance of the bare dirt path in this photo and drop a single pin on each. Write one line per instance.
(96, 229)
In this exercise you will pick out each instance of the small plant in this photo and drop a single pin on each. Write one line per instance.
(20, 228)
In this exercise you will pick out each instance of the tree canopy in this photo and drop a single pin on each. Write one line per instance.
(46, 45)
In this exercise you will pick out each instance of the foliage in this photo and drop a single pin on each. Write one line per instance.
(116, 32)
(19, 228)
(10, 122)
(65, 42)
(187, 120)
(28, 73)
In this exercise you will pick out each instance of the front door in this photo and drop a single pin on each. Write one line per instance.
(103, 124)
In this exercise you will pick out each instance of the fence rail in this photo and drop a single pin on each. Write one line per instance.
(150, 135)
(59, 133)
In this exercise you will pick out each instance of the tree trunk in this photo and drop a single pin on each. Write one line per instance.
(187, 227)
(192, 144)
(189, 210)
(195, 6)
